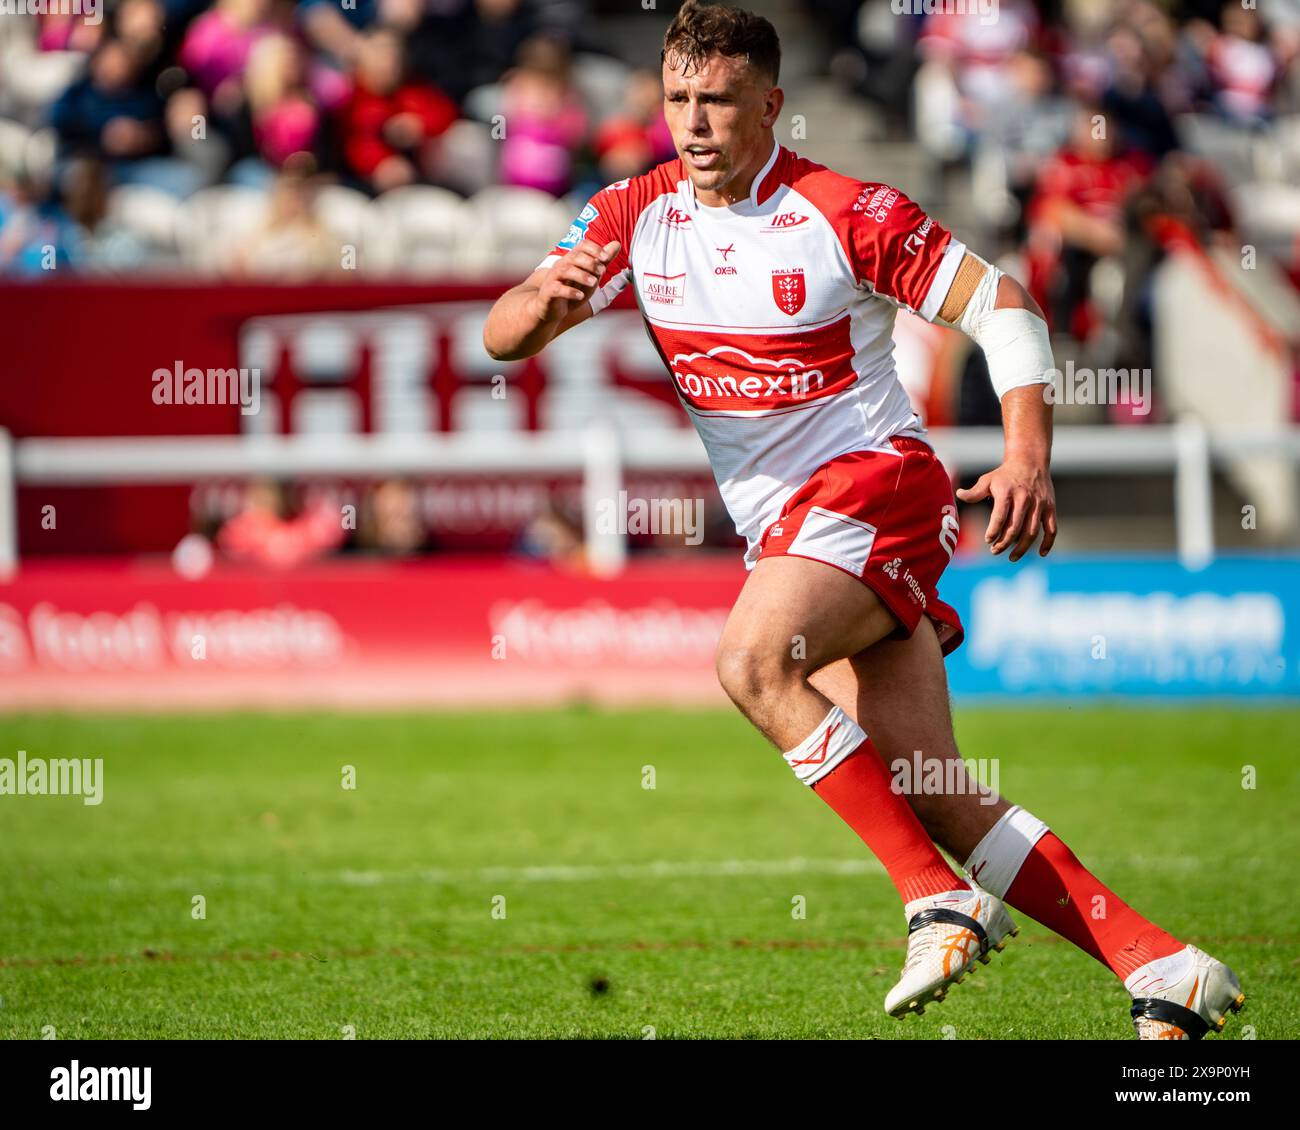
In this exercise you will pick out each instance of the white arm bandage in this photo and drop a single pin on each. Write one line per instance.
(1015, 342)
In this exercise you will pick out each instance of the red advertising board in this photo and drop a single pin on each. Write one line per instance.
(471, 632)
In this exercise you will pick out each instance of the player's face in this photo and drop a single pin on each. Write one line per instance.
(721, 118)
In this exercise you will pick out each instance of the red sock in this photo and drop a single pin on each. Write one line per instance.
(1053, 887)
(858, 788)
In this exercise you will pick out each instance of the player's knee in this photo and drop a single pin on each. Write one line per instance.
(751, 673)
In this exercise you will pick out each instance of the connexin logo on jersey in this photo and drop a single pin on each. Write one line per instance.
(578, 229)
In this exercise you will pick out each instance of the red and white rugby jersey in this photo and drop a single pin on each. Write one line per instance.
(774, 316)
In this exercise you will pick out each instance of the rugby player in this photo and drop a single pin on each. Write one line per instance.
(769, 285)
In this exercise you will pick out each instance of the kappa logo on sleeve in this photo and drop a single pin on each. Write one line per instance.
(578, 229)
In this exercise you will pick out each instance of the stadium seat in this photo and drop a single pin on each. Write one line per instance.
(13, 147)
(512, 230)
(417, 230)
(33, 81)
(42, 148)
(466, 157)
(1268, 214)
(484, 102)
(211, 223)
(147, 213)
(346, 212)
(602, 81)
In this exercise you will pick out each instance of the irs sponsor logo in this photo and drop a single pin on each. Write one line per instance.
(785, 221)
(789, 290)
(891, 568)
(666, 290)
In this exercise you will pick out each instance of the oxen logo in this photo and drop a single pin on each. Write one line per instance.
(788, 290)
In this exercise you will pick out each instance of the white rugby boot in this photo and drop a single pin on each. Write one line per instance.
(946, 934)
(1182, 996)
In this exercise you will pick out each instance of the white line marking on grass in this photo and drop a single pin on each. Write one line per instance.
(650, 870)
(587, 873)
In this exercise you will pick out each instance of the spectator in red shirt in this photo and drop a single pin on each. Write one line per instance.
(1076, 216)
(265, 533)
(391, 124)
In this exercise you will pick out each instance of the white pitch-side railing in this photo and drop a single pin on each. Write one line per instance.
(600, 455)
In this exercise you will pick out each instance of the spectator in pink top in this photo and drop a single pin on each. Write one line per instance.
(545, 119)
(218, 43)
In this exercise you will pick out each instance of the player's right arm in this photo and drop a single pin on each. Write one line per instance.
(525, 319)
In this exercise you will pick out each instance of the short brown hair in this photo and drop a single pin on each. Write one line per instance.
(700, 30)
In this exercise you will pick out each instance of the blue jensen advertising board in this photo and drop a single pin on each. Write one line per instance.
(1127, 626)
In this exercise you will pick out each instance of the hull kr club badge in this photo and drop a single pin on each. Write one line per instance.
(788, 290)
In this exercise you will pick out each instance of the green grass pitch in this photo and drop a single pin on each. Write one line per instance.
(508, 875)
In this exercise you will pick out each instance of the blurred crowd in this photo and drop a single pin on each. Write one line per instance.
(274, 99)
(282, 96)
(1095, 136)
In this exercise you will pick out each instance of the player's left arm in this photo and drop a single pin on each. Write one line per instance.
(908, 258)
(1001, 317)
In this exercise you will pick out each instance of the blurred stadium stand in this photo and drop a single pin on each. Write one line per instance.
(333, 195)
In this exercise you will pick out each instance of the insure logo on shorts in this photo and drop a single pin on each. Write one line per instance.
(914, 590)
(578, 229)
(667, 290)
